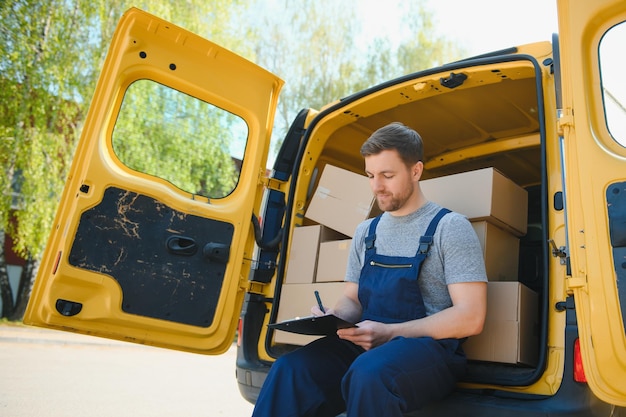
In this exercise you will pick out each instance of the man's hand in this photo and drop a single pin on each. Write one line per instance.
(316, 311)
(368, 334)
(347, 307)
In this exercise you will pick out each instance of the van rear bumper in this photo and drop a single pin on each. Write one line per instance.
(250, 382)
(573, 400)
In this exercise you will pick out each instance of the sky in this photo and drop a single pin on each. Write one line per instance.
(477, 25)
(488, 25)
(481, 26)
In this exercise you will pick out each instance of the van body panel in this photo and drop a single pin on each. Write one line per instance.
(594, 176)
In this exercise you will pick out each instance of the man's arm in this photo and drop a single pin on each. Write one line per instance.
(464, 318)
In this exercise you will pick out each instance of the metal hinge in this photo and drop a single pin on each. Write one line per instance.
(254, 287)
(564, 120)
(576, 282)
(271, 183)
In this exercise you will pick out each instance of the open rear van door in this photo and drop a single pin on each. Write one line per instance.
(152, 242)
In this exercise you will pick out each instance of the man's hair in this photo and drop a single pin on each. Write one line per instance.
(395, 136)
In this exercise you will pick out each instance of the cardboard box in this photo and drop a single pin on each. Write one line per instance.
(332, 260)
(484, 194)
(510, 334)
(302, 260)
(342, 200)
(296, 300)
(500, 250)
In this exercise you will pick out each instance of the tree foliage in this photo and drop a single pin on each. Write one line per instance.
(50, 56)
(51, 53)
(167, 134)
(324, 53)
(40, 100)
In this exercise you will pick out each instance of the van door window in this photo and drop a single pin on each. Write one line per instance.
(613, 85)
(194, 145)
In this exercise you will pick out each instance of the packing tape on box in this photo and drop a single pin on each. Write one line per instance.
(322, 192)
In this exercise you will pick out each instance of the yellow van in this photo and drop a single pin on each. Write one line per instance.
(535, 133)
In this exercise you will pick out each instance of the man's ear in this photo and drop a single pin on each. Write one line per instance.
(417, 170)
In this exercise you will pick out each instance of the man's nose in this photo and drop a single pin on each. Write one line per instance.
(376, 185)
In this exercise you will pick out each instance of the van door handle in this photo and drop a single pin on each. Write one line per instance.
(181, 245)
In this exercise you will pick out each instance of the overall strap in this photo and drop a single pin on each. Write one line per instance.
(426, 240)
(371, 234)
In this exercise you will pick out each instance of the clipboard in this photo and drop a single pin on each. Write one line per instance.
(313, 325)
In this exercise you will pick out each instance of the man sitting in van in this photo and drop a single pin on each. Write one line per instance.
(414, 301)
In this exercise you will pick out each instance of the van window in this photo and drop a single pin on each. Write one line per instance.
(613, 85)
(194, 145)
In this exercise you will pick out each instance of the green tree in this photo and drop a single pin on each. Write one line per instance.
(50, 55)
(417, 47)
(423, 47)
(310, 44)
(317, 47)
(39, 119)
(167, 134)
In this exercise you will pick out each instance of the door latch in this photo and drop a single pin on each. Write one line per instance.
(559, 252)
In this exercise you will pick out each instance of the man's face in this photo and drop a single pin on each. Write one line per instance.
(392, 182)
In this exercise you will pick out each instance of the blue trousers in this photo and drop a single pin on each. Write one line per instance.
(330, 375)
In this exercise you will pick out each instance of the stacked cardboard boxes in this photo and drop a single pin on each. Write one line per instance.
(306, 242)
(332, 260)
(500, 251)
(497, 209)
(484, 194)
(318, 253)
(510, 334)
(342, 200)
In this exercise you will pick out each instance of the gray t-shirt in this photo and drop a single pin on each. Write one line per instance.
(455, 255)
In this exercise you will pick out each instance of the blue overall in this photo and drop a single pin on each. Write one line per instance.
(330, 375)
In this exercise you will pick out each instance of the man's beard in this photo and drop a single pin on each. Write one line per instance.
(394, 202)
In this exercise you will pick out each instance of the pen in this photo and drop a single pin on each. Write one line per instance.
(319, 301)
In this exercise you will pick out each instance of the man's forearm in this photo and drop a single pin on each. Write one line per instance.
(347, 310)
(465, 318)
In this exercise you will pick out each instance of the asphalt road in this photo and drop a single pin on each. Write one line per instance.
(57, 374)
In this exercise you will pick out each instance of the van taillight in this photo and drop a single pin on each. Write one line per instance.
(579, 371)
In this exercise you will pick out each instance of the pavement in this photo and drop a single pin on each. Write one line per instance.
(53, 373)
(20, 333)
